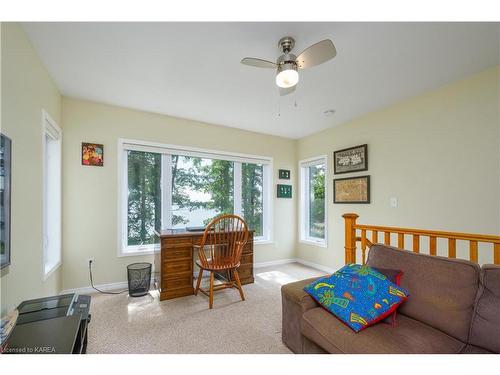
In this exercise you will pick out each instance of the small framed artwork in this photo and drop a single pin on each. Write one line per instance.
(351, 190)
(284, 174)
(92, 154)
(284, 191)
(353, 159)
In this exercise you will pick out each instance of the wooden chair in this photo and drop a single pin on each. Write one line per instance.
(223, 240)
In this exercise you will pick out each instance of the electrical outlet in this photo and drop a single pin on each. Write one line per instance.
(393, 202)
(90, 260)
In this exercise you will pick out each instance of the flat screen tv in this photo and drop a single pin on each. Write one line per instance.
(5, 164)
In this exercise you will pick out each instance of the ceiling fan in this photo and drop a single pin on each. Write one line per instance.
(287, 65)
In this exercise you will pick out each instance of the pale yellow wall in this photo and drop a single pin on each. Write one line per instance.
(90, 193)
(26, 89)
(437, 153)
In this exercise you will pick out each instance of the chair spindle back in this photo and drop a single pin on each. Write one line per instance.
(224, 239)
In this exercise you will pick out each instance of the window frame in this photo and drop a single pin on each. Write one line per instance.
(166, 150)
(52, 130)
(305, 202)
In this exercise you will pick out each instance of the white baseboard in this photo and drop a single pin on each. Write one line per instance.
(315, 265)
(123, 285)
(294, 260)
(275, 262)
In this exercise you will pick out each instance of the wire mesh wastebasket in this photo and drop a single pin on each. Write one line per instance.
(139, 279)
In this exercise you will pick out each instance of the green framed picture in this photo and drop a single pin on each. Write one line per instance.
(284, 174)
(284, 191)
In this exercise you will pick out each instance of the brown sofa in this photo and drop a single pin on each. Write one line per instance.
(454, 307)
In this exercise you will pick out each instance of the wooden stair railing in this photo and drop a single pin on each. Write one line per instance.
(351, 237)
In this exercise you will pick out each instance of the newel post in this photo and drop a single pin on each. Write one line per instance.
(350, 238)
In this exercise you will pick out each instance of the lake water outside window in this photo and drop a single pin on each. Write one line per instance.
(198, 189)
(202, 189)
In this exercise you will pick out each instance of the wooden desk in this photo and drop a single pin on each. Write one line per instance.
(174, 263)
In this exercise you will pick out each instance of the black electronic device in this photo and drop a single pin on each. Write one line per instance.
(56, 324)
(195, 229)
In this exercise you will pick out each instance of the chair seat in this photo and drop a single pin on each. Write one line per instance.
(227, 264)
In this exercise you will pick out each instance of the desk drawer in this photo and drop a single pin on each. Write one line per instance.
(246, 259)
(177, 253)
(246, 272)
(248, 248)
(170, 283)
(176, 242)
(175, 267)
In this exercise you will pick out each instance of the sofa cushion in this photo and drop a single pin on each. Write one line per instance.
(485, 329)
(443, 290)
(294, 303)
(358, 295)
(410, 336)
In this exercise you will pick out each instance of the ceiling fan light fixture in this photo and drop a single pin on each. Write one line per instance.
(287, 75)
(287, 65)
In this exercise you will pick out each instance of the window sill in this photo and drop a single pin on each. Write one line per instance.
(263, 242)
(136, 252)
(314, 243)
(51, 270)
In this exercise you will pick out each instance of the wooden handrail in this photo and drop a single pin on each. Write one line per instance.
(432, 233)
(351, 237)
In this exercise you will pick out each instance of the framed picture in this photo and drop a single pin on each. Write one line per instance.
(284, 174)
(284, 191)
(351, 190)
(353, 159)
(5, 191)
(92, 154)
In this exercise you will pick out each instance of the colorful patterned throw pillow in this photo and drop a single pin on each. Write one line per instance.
(358, 295)
(393, 276)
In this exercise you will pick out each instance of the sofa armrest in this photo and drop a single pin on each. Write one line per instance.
(295, 302)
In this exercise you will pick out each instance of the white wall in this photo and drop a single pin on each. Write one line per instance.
(26, 89)
(90, 193)
(437, 153)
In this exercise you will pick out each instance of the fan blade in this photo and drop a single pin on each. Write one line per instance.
(259, 63)
(316, 54)
(287, 91)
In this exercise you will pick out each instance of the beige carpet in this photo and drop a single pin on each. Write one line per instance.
(121, 324)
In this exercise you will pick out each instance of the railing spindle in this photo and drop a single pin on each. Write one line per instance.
(363, 245)
(416, 243)
(374, 236)
(452, 248)
(401, 240)
(496, 253)
(432, 245)
(473, 251)
(387, 238)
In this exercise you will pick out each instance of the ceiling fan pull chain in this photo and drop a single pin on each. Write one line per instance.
(279, 107)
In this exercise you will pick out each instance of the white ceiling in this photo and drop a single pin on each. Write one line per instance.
(192, 70)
